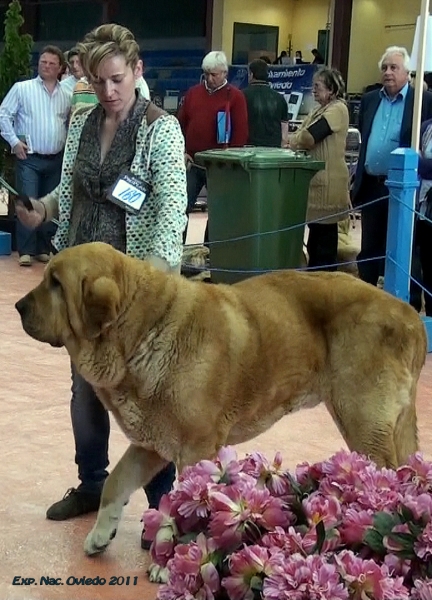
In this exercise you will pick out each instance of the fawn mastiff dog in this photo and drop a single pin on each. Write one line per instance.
(187, 367)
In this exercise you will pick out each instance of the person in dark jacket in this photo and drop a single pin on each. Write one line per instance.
(299, 58)
(385, 123)
(267, 109)
(423, 228)
(318, 58)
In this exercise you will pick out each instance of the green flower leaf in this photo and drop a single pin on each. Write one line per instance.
(374, 540)
(256, 583)
(321, 536)
(405, 539)
(406, 514)
(384, 522)
(187, 538)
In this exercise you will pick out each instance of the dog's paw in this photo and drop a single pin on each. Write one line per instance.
(98, 540)
(157, 574)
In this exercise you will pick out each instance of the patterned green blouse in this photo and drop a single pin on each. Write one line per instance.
(159, 159)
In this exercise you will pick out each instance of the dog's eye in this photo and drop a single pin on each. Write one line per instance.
(55, 283)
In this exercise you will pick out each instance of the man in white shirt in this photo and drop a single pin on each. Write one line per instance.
(75, 70)
(141, 84)
(33, 118)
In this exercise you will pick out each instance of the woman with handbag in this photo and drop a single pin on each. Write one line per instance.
(323, 133)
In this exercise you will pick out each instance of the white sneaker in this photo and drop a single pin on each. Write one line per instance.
(43, 258)
(25, 260)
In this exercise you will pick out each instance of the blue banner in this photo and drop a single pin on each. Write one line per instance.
(285, 80)
(282, 78)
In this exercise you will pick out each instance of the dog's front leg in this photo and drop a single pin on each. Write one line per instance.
(136, 468)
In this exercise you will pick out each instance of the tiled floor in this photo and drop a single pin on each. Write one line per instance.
(37, 463)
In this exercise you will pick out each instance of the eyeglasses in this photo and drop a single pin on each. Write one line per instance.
(319, 86)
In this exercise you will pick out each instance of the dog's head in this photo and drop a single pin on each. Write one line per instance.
(78, 298)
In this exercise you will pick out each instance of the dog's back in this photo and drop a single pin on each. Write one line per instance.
(226, 362)
(367, 352)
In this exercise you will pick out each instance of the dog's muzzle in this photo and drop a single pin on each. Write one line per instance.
(24, 307)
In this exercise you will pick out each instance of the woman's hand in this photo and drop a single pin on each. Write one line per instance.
(188, 161)
(293, 144)
(31, 218)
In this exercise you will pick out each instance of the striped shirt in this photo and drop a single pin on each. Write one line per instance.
(83, 95)
(31, 112)
(68, 84)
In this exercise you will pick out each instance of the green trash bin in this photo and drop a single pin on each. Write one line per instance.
(253, 193)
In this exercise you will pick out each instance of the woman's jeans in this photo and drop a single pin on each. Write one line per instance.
(91, 428)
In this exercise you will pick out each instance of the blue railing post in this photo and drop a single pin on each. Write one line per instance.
(402, 183)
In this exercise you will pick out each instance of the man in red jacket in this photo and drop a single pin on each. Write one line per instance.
(213, 115)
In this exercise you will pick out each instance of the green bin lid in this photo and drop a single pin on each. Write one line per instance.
(257, 157)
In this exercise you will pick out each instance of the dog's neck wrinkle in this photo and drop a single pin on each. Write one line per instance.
(152, 310)
(120, 339)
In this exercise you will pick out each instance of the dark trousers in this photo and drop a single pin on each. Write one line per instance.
(91, 429)
(374, 221)
(416, 291)
(374, 229)
(36, 176)
(196, 179)
(424, 244)
(322, 246)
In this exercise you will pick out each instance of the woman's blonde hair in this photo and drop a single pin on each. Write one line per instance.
(107, 40)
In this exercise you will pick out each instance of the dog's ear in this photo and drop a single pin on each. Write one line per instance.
(100, 305)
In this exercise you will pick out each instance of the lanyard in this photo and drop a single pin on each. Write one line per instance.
(8, 187)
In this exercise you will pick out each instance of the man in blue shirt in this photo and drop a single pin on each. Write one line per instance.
(385, 123)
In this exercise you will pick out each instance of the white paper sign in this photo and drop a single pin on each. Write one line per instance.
(129, 192)
(416, 46)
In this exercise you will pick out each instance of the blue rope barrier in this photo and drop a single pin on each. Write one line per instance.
(200, 269)
(421, 217)
(410, 277)
(290, 228)
(418, 214)
(348, 211)
(341, 264)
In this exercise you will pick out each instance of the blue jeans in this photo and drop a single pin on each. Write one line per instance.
(36, 176)
(91, 429)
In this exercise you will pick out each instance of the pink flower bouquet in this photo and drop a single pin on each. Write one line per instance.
(340, 529)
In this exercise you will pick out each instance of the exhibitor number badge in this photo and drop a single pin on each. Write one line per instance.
(129, 192)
